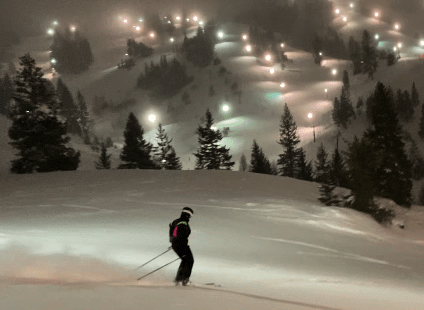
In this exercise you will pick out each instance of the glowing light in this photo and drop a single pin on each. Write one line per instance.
(268, 57)
(53, 61)
(195, 18)
(201, 22)
(397, 26)
(399, 45)
(50, 31)
(320, 53)
(244, 37)
(225, 108)
(352, 5)
(140, 20)
(282, 85)
(422, 43)
(376, 14)
(282, 44)
(137, 28)
(337, 11)
(178, 18)
(152, 35)
(344, 18)
(73, 28)
(171, 39)
(248, 48)
(220, 34)
(376, 36)
(55, 23)
(126, 21)
(152, 118)
(310, 115)
(213, 128)
(272, 71)
(169, 21)
(395, 49)
(326, 90)
(334, 71)
(188, 19)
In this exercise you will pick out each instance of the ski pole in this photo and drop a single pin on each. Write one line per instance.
(158, 269)
(152, 259)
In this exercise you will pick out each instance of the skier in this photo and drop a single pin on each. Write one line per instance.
(179, 230)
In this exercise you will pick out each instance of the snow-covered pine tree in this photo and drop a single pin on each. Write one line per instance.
(415, 98)
(393, 176)
(288, 160)
(327, 196)
(243, 163)
(69, 109)
(346, 111)
(258, 161)
(369, 55)
(305, 170)
(37, 131)
(421, 125)
(359, 105)
(6, 93)
(210, 155)
(322, 165)
(338, 171)
(346, 83)
(336, 112)
(164, 152)
(354, 49)
(83, 119)
(136, 151)
(104, 161)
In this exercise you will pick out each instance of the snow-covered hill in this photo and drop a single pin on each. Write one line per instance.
(253, 234)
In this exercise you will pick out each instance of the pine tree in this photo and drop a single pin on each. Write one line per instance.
(421, 125)
(288, 160)
(327, 196)
(136, 151)
(243, 163)
(83, 119)
(336, 113)
(415, 98)
(408, 108)
(258, 162)
(317, 50)
(37, 130)
(322, 166)
(354, 49)
(362, 159)
(369, 55)
(417, 161)
(359, 105)
(346, 83)
(164, 152)
(338, 171)
(104, 158)
(305, 170)
(210, 155)
(346, 111)
(69, 110)
(393, 176)
(6, 93)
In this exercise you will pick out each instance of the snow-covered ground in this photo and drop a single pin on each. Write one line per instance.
(72, 240)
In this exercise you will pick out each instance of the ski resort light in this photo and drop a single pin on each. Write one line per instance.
(188, 19)
(326, 90)
(248, 48)
(272, 71)
(126, 21)
(244, 37)
(376, 36)
(225, 108)
(220, 34)
(397, 26)
(53, 61)
(344, 18)
(152, 118)
(178, 18)
(310, 115)
(334, 72)
(213, 128)
(171, 39)
(55, 23)
(201, 23)
(282, 44)
(195, 18)
(395, 49)
(352, 5)
(376, 14)
(422, 43)
(50, 31)
(337, 11)
(320, 53)
(152, 35)
(137, 28)
(268, 57)
(140, 20)
(399, 45)
(282, 85)
(73, 28)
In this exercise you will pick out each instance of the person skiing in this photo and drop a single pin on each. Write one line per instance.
(179, 231)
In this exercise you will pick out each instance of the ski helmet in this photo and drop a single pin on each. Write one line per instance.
(188, 210)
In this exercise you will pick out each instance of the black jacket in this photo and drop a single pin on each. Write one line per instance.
(179, 230)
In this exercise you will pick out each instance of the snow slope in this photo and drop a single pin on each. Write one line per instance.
(79, 236)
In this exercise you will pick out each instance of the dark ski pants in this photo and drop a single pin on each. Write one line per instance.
(187, 261)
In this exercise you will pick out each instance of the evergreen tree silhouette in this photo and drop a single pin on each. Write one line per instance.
(322, 166)
(305, 170)
(354, 49)
(417, 161)
(338, 171)
(210, 155)
(336, 113)
(199, 50)
(136, 151)
(346, 83)
(258, 161)
(69, 110)
(288, 160)
(421, 125)
(369, 54)
(37, 131)
(393, 176)
(6, 93)
(243, 163)
(164, 152)
(83, 118)
(346, 111)
(415, 98)
(104, 161)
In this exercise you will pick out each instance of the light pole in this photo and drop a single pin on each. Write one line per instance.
(313, 126)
